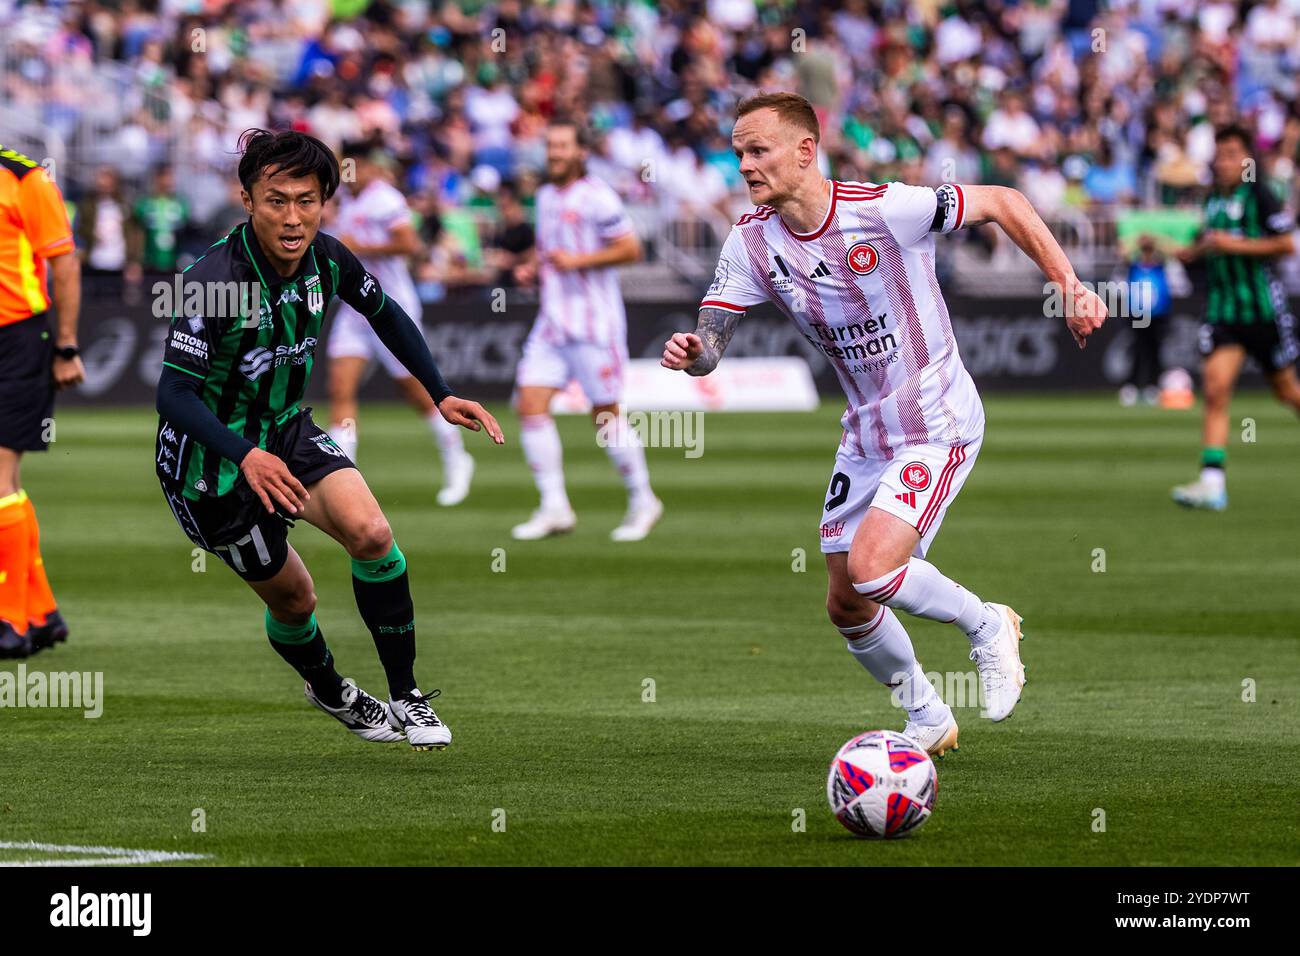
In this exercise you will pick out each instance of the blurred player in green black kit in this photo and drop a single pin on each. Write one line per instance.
(1246, 311)
(240, 460)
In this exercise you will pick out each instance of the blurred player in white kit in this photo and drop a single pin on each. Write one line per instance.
(583, 234)
(374, 221)
(852, 265)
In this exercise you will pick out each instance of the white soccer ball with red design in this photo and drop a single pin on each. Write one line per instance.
(882, 785)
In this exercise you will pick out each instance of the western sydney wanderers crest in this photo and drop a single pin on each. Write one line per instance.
(916, 476)
(863, 258)
(315, 295)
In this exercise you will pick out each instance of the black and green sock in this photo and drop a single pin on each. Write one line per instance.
(303, 648)
(383, 593)
(1214, 458)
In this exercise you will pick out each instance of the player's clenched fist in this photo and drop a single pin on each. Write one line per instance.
(468, 414)
(681, 351)
(1086, 315)
(269, 477)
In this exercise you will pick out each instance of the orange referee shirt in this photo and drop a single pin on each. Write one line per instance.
(33, 227)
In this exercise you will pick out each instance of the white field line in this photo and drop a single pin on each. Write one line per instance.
(101, 855)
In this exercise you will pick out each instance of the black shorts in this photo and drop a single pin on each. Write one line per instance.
(236, 526)
(1272, 344)
(26, 383)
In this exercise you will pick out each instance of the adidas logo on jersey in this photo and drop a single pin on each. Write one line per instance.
(908, 499)
(821, 272)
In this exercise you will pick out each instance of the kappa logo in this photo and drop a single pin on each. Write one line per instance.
(368, 285)
(908, 499)
(290, 294)
(916, 476)
(327, 445)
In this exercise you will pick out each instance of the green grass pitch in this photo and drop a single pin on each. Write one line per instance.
(1134, 704)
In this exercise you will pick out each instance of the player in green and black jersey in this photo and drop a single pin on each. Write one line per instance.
(238, 456)
(1246, 311)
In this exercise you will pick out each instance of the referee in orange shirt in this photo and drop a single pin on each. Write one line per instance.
(35, 238)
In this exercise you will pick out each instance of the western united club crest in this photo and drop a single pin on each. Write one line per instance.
(315, 295)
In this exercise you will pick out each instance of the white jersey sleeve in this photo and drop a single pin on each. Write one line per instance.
(735, 287)
(388, 208)
(607, 211)
(913, 212)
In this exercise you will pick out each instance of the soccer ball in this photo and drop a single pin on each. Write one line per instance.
(882, 785)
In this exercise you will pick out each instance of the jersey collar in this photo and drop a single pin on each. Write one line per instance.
(830, 215)
(265, 271)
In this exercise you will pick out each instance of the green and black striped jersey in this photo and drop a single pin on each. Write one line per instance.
(251, 336)
(1244, 289)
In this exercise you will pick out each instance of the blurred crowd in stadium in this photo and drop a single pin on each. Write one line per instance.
(1080, 104)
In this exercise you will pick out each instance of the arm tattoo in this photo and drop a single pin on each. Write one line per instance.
(715, 329)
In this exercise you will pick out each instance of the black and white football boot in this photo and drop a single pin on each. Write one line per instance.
(366, 716)
(412, 714)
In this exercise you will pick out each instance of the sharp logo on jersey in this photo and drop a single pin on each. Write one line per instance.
(916, 476)
(863, 258)
(315, 295)
(821, 272)
(256, 362)
(908, 499)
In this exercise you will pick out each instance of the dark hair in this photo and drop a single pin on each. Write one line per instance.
(1237, 132)
(290, 152)
(580, 129)
(791, 107)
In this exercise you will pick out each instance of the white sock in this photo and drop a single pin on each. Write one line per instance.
(1214, 478)
(884, 649)
(545, 456)
(919, 588)
(448, 436)
(623, 445)
(345, 436)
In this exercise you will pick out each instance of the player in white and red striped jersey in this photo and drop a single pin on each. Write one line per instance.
(852, 265)
(580, 333)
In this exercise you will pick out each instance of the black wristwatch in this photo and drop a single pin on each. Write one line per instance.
(67, 352)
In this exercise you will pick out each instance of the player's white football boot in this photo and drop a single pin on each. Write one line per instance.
(638, 521)
(457, 473)
(543, 524)
(364, 715)
(1201, 494)
(998, 661)
(413, 715)
(937, 739)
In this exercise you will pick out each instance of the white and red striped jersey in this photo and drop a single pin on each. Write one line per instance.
(863, 291)
(583, 305)
(370, 218)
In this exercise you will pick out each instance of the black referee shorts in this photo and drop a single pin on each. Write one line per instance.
(26, 383)
(236, 526)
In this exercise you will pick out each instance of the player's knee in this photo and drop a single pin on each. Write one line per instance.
(372, 538)
(300, 603)
(847, 610)
(869, 566)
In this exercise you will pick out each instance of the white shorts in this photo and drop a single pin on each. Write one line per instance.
(599, 369)
(352, 337)
(917, 485)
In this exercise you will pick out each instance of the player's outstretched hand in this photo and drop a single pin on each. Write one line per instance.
(1086, 317)
(468, 414)
(270, 478)
(681, 351)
